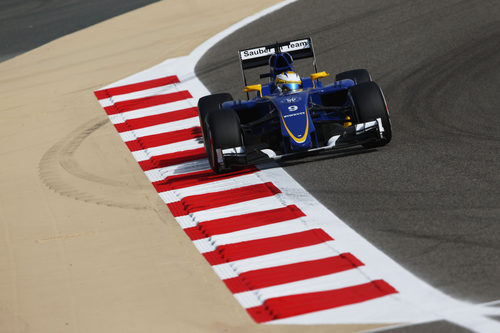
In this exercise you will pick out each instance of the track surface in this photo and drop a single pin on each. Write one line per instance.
(25, 25)
(430, 199)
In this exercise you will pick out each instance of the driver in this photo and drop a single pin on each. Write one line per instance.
(288, 82)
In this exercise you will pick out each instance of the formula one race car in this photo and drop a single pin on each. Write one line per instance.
(291, 115)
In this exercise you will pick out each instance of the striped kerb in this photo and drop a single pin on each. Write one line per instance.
(261, 244)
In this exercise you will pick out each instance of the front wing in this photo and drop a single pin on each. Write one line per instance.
(354, 135)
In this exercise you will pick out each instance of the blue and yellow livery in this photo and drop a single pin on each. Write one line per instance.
(277, 123)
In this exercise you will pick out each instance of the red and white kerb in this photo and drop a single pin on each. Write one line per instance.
(268, 252)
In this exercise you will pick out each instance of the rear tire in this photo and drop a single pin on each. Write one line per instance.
(357, 75)
(223, 131)
(369, 104)
(209, 104)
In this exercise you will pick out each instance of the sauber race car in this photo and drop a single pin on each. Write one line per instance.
(290, 115)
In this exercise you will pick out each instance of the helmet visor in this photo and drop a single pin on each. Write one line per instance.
(290, 86)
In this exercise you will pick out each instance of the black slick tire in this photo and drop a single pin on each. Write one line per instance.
(369, 104)
(357, 75)
(208, 104)
(223, 131)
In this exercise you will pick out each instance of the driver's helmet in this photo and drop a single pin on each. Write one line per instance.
(288, 81)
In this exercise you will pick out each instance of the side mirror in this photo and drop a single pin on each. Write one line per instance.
(316, 76)
(255, 87)
(320, 75)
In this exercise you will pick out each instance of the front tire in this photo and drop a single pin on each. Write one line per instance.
(357, 75)
(369, 104)
(223, 131)
(207, 104)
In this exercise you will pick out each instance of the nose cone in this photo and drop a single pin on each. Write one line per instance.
(295, 120)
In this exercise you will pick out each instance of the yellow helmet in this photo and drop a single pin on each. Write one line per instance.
(288, 81)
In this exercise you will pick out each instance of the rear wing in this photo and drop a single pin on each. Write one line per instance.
(259, 56)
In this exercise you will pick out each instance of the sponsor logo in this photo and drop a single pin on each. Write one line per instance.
(296, 45)
(294, 114)
(263, 51)
(255, 53)
(290, 100)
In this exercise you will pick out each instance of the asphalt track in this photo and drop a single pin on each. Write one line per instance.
(27, 24)
(430, 199)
